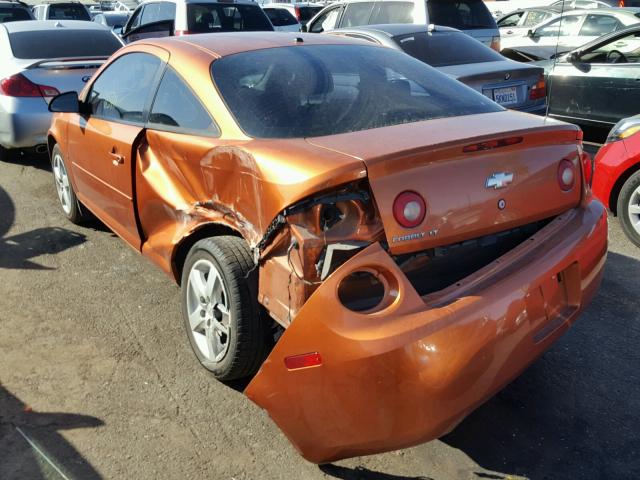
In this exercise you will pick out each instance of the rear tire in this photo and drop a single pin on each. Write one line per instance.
(69, 203)
(220, 308)
(629, 208)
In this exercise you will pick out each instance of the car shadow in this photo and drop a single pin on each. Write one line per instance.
(361, 473)
(30, 159)
(574, 413)
(31, 446)
(16, 251)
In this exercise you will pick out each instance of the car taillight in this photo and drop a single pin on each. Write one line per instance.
(495, 44)
(566, 175)
(179, 33)
(409, 209)
(588, 167)
(20, 86)
(297, 10)
(621, 3)
(539, 90)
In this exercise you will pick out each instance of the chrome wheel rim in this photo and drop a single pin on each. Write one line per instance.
(208, 310)
(62, 183)
(633, 210)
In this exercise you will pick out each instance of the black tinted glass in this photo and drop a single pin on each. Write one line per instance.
(307, 13)
(63, 43)
(462, 14)
(307, 91)
(280, 17)
(13, 14)
(122, 90)
(113, 20)
(158, 12)
(177, 107)
(68, 11)
(220, 17)
(446, 48)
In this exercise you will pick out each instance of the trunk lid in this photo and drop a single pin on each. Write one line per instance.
(428, 158)
(498, 80)
(64, 75)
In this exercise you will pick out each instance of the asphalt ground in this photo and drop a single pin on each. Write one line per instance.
(97, 379)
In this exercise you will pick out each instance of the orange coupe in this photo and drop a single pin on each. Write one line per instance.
(379, 246)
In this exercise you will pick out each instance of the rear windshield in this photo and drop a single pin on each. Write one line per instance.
(307, 13)
(280, 17)
(212, 17)
(119, 20)
(446, 48)
(13, 14)
(63, 43)
(68, 11)
(308, 91)
(462, 14)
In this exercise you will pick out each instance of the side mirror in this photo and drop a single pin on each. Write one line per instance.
(65, 103)
(303, 28)
(573, 57)
(531, 33)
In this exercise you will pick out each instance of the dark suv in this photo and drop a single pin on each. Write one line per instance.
(13, 11)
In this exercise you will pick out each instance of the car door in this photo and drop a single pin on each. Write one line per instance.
(598, 86)
(102, 140)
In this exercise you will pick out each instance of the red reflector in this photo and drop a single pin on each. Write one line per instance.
(297, 10)
(503, 142)
(305, 360)
(587, 168)
(579, 135)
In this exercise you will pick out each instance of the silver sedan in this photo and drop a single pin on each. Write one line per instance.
(38, 60)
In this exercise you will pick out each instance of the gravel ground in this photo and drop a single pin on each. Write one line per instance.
(97, 379)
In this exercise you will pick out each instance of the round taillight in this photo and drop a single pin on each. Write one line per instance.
(566, 175)
(409, 209)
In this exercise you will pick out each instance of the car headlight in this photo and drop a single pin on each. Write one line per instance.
(624, 129)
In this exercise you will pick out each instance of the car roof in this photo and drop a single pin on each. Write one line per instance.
(42, 25)
(223, 44)
(395, 29)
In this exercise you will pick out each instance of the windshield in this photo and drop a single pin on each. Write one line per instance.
(63, 43)
(307, 91)
(68, 11)
(446, 48)
(12, 14)
(220, 17)
(463, 14)
(306, 13)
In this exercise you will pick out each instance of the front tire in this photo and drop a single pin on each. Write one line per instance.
(629, 208)
(66, 195)
(220, 308)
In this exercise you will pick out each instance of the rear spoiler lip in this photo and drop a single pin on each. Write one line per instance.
(68, 60)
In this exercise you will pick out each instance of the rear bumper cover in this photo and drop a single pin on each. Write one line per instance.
(24, 121)
(412, 371)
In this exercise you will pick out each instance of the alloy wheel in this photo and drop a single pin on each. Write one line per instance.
(633, 209)
(62, 183)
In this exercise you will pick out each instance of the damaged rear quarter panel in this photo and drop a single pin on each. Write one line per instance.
(184, 182)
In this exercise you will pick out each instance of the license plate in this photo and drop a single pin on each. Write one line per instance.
(505, 96)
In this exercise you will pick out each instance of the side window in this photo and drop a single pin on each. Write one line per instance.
(598, 25)
(122, 90)
(176, 107)
(158, 12)
(356, 14)
(392, 12)
(623, 50)
(565, 26)
(534, 18)
(510, 20)
(327, 21)
(135, 19)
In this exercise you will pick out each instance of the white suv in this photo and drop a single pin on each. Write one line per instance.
(61, 11)
(163, 18)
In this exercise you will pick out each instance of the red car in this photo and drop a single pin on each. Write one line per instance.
(616, 179)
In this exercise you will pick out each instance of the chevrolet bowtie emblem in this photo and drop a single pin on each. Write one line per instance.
(499, 180)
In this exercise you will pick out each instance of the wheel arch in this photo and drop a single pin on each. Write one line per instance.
(51, 142)
(617, 187)
(206, 230)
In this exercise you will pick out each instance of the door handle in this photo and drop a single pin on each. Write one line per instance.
(116, 158)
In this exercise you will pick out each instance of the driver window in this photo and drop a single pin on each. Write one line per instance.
(135, 19)
(510, 21)
(620, 50)
(122, 90)
(327, 21)
(564, 25)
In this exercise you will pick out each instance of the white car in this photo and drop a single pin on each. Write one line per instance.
(281, 18)
(71, 10)
(569, 31)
